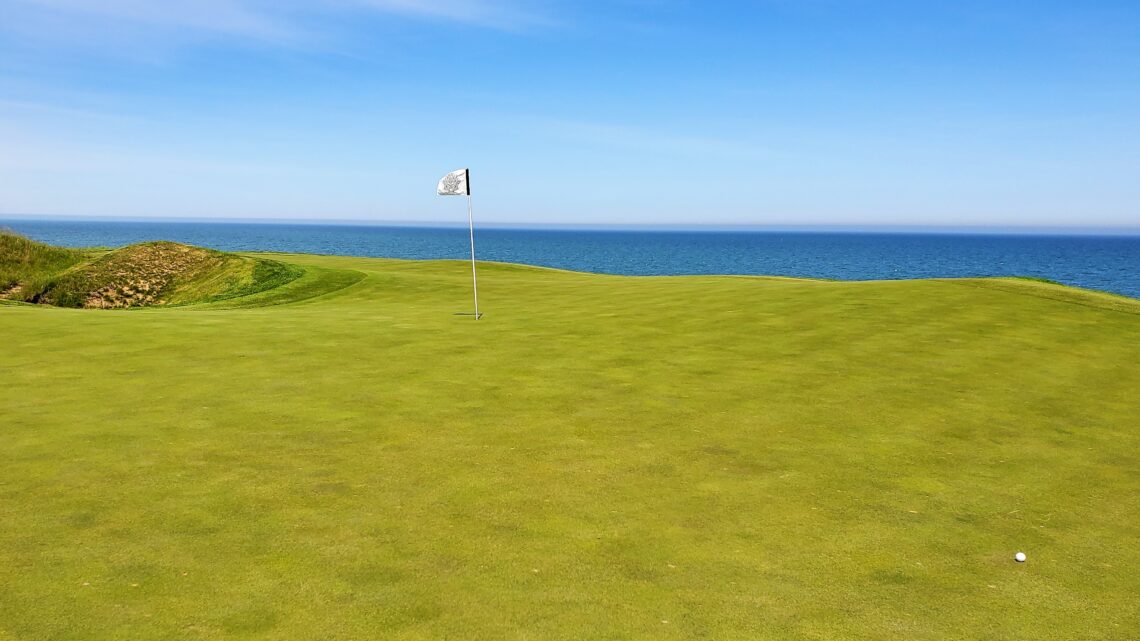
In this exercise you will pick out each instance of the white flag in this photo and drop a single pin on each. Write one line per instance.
(455, 184)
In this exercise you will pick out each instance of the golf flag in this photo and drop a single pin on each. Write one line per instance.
(457, 183)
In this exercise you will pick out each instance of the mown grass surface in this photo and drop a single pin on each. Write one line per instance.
(600, 457)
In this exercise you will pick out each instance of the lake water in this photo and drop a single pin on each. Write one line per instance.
(1108, 263)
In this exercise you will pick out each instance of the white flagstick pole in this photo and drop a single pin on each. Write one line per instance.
(471, 227)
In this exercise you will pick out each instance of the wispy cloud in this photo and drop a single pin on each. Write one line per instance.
(278, 22)
(229, 17)
(485, 13)
(14, 111)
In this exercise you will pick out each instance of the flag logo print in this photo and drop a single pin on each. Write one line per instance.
(451, 184)
(454, 184)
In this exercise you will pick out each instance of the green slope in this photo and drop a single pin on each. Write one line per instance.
(26, 265)
(600, 457)
(144, 274)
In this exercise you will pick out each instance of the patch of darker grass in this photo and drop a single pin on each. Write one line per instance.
(266, 275)
(249, 620)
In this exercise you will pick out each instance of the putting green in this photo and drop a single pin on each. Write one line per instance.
(600, 457)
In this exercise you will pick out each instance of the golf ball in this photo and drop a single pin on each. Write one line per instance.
(1019, 557)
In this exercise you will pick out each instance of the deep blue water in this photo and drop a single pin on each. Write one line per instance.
(1108, 263)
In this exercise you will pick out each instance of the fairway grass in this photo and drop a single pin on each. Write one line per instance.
(599, 457)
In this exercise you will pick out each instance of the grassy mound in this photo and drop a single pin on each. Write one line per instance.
(155, 273)
(600, 457)
(27, 265)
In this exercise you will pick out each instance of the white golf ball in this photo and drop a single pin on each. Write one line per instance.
(1019, 557)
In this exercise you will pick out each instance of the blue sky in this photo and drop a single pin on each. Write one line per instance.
(784, 112)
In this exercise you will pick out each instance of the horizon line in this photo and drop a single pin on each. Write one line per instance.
(1114, 230)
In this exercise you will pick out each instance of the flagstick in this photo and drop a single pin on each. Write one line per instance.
(474, 282)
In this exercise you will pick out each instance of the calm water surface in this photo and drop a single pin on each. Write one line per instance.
(1108, 263)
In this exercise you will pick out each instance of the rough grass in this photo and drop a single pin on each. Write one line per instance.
(26, 265)
(600, 457)
(154, 273)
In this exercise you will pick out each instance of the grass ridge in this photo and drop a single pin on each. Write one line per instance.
(1051, 290)
(157, 273)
